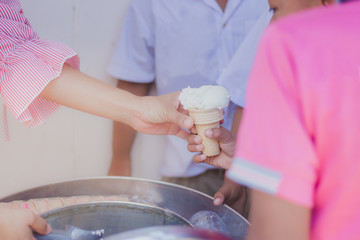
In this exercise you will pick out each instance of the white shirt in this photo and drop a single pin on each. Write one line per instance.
(181, 43)
(235, 75)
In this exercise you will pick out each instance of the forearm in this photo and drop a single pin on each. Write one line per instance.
(123, 135)
(237, 120)
(82, 92)
(123, 139)
(150, 115)
(273, 218)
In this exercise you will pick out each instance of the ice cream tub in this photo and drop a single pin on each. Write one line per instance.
(145, 203)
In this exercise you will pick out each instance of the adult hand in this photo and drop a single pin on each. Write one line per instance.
(162, 115)
(227, 147)
(234, 195)
(18, 224)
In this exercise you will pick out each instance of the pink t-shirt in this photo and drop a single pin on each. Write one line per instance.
(300, 137)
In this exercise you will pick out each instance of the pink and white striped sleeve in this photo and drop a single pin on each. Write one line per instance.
(27, 65)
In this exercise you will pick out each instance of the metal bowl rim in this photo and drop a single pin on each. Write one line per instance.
(125, 178)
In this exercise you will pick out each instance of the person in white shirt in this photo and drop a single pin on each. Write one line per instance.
(177, 44)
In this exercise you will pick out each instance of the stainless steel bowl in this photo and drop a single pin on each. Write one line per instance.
(164, 197)
(168, 232)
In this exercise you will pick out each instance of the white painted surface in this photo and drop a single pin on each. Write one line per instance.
(72, 144)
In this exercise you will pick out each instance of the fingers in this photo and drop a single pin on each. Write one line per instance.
(194, 143)
(193, 130)
(182, 134)
(220, 161)
(20, 224)
(186, 121)
(219, 198)
(38, 224)
(221, 134)
(193, 139)
(225, 135)
(180, 119)
(195, 148)
(178, 115)
(199, 158)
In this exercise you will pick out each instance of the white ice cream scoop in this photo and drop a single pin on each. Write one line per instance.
(204, 97)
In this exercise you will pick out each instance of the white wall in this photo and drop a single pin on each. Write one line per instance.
(72, 144)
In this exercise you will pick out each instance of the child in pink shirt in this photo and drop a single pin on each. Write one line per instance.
(298, 143)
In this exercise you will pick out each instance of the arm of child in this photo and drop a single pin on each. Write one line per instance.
(237, 120)
(124, 135)
(273, 218)
(234, 195)
(231, 193)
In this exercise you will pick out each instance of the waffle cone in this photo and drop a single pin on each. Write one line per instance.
(211, 146)
(205, 119)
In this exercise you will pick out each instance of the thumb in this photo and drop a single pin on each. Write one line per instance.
(177, 114)
(39, 225)
(221, 134)
(219, 198)
(180, 119)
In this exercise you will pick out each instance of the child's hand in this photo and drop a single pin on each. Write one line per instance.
(18, 224)
(234, 195)
(227, 146)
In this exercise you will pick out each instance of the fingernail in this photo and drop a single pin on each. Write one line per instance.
(202, 157)
(208, 133)
(217, 201)
(48, 229)
(188, 123)
(197, 139)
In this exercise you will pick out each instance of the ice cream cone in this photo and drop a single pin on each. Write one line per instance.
(205, 119)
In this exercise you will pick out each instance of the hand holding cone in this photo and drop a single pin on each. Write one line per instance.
(205, 119)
